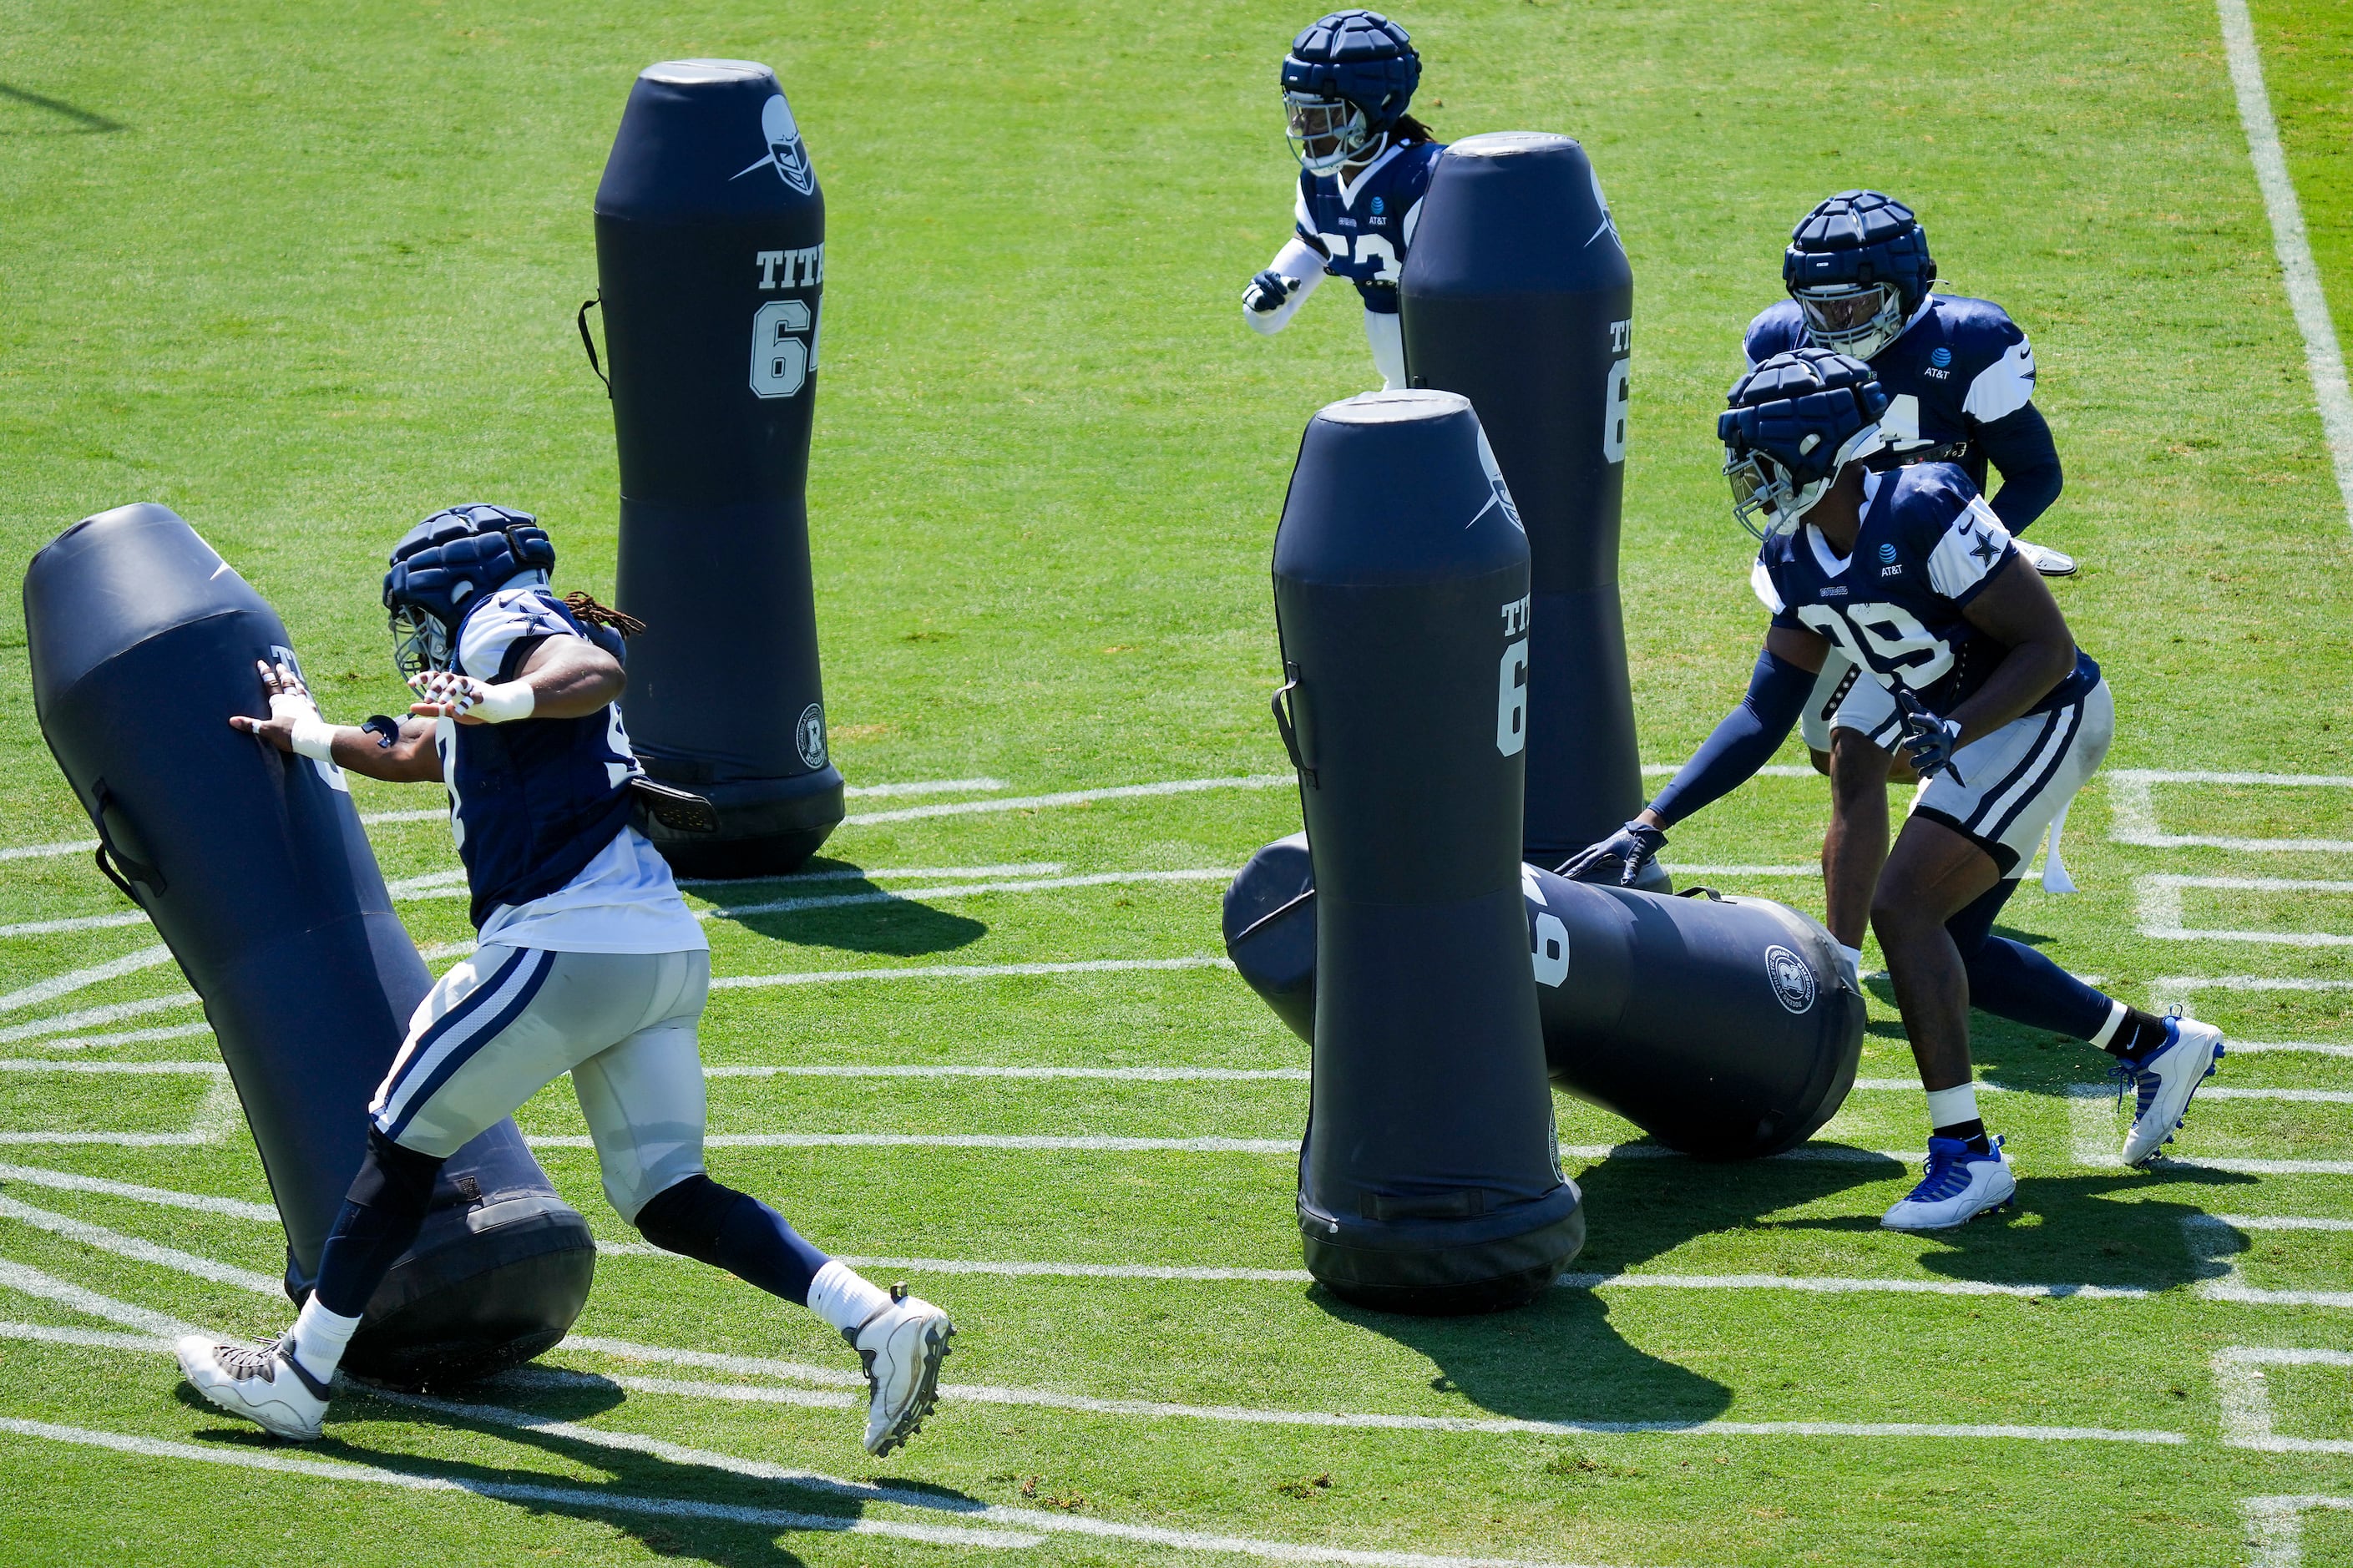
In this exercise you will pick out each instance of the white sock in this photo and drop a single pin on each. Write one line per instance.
(842, 1299)
(319, 1337)
(2108, 1030)
(1949, 1105)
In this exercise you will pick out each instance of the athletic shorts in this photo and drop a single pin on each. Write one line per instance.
(508, 1021)
(2014, 781)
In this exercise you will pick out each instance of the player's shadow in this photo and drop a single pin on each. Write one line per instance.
(829, 903)
(655, 1499)
(1559, 1358)
(2067, 1232)
(69, 119)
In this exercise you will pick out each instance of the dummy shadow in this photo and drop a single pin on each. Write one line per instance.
(80, 121)
(1559, 1358)
(829, 903)
(575, 1397)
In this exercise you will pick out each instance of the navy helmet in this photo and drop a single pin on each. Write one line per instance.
(445, 566)
(1858, 265)
(1347, 79)
(1793, 424)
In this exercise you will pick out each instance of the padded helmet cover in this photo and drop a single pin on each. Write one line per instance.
(448, 563)
(1858, 239)
(1360, 57)
(1803, 409)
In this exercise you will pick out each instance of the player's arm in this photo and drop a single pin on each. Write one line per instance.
(1744, 742)
(2014, 607)
(2019, 447)
(563, 678)
(404, 756)
(1274, 296)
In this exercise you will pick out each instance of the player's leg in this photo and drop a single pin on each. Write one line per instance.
(493, 1031)
(644, 1101)
(2164, 1059)
(1385, 330)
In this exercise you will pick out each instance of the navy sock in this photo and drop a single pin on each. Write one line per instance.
(1971, 1132)
(699, 1218)
(381, 1216)
(2137, 1036)
(2010, 980)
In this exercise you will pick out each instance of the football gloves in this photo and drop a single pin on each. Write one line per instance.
(1928, 742)
(1632, 846)
(445, 693)
(1267, 292)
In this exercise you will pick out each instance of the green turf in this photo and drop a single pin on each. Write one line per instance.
(306, 275)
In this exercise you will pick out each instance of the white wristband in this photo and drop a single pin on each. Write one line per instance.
(501, 704)
(314, 737)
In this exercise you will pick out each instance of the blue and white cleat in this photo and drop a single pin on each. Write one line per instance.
(902, 1346)
(1960, 1185)
(264, 1383)
(2164, 1080)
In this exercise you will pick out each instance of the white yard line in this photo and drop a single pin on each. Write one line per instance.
(1742, 871)
(2276, 1527)
(532, 1496)
(1068, 797)
(66, 1023)
(1023, 1142)
(983, 1393)
(873, 874)
(2246, 1402)
(2322, 359)
(924, 786)
(71, 1182)
(140, 1250)
(115, 1139)
(2159, 898)
(960, 890)
(49, 1064)
(2213, 1245)
(965, 972)
(75, 980)
(42, 1286)
(2132, 800)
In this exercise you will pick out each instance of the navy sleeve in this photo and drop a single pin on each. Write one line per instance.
(1743, 743)
(2020, 447)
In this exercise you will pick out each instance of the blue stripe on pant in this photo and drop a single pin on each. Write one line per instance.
(454, 1037)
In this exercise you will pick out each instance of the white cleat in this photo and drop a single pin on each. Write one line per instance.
(1959, 1184)
(2043, 559)
(264, 1383)
(902, 1346)
(2164, 1080)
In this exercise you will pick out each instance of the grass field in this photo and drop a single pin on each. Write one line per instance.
(307, 274)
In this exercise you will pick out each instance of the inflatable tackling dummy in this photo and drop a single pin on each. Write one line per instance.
(711, 269)
(1721, 1026)
(1517, 295)
(1428, 1182)
(252, 864)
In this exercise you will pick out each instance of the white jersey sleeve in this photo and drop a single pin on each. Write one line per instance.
(510, 616)
(1973, 549)
(1303, 265)
(1760, 583)
(2003, 388)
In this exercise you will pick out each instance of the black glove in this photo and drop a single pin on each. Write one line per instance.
(1632, 847)
(1267, 291)
(1928, 742)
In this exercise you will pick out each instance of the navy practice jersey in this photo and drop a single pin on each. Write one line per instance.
(1362, 227)
(531, 802)
(1928, 546)
(1958, 363)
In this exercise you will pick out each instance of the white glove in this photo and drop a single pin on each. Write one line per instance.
(445, 693)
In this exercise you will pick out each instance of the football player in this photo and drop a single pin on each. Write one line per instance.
(588, 962)
(1364, 163)
(1959, 374)
(1968, 667)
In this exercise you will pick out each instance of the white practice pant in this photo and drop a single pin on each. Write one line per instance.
(508, 1021)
